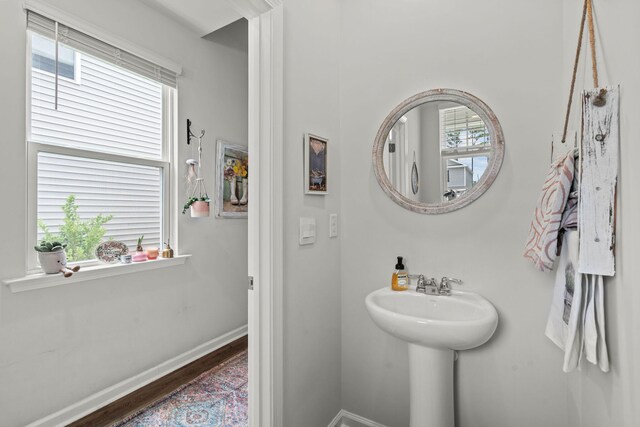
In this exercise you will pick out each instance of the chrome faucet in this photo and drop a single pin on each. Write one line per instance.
(431, 287)
(445, 288)
(425, 286)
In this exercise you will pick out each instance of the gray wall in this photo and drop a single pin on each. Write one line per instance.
(507, 53)
(61, 344)
(311, 273)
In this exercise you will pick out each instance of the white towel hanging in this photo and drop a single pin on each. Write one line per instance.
(576, 319)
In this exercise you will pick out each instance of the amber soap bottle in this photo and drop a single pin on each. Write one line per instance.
(400, 278)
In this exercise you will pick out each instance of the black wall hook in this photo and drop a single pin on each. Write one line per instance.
(191, 134)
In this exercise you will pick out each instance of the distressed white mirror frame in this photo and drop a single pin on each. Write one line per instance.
(493, 167)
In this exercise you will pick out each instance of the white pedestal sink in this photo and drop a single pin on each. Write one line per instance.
(433, 326)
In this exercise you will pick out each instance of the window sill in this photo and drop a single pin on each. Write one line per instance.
(41, 280)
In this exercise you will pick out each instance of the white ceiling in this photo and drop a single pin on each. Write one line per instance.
(202, 16)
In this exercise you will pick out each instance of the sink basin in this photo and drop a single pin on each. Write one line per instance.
(433, 326)
(461, 321)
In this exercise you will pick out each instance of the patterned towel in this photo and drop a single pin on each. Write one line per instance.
(542, 243)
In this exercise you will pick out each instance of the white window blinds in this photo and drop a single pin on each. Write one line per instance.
(462, 128)
(108, 109)
(85, 43)
(130, 195)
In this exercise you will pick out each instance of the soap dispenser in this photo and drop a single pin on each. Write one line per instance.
(400, 277)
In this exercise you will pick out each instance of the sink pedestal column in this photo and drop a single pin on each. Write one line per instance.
(431, 395)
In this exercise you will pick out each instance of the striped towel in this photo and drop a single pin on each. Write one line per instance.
(542, 243)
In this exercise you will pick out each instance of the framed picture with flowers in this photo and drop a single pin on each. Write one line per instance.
(315, 164)
(232, 189)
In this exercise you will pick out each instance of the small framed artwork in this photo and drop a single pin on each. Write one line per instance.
(315, 164)
(232, 190)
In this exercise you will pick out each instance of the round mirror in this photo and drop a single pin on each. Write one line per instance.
(438, 151)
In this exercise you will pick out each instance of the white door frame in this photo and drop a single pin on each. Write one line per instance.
(265, 225)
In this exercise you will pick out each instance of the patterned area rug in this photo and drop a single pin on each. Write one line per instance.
(217, 398)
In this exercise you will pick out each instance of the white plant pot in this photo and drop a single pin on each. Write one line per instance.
(199, 209)
(52, 262)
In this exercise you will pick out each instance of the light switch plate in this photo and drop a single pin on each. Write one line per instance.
(307, 231)
(333, 225)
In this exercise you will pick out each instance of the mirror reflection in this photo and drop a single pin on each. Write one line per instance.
(437, 151)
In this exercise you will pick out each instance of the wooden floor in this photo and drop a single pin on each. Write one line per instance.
(154, 391)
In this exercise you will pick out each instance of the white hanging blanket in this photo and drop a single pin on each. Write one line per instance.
(576, 320)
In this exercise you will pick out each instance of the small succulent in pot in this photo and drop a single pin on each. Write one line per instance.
(53, 258)
(50, 246)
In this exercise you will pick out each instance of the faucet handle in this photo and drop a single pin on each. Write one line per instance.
(445, 288)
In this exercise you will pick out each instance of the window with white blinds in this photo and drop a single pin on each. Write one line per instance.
(461, 128)
(465, 148)
(98, 140)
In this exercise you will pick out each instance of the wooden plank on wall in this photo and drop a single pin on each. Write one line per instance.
(598, 179)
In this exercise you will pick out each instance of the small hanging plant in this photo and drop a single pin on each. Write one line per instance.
(198, 201)
(193, 200)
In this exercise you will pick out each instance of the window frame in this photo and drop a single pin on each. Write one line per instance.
(33, 148)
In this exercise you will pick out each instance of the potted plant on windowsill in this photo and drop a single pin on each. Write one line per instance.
(140, 255)
(53, 258)
(198, 206)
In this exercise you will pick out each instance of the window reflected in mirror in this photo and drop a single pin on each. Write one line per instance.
(437, 151)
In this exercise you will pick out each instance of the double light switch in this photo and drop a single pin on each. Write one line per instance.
(308, 229)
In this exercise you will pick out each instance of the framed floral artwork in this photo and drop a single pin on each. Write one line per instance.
(232, 190)
(315, 164)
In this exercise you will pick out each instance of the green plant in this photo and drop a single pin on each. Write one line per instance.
(81, 236)
(192, 200)
(139, 247)
(50, 246)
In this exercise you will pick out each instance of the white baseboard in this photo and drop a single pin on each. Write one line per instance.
(110, 394)
(348, 419)
(337, 420)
